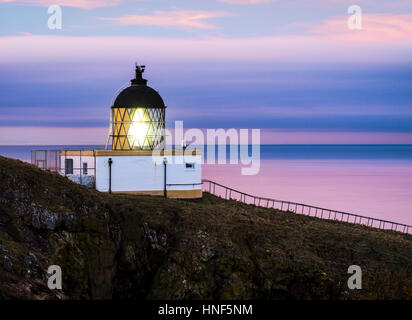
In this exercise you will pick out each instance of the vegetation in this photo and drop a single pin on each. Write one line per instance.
(142, 247)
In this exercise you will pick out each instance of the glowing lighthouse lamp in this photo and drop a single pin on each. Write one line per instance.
(140, 129)
(138, 117)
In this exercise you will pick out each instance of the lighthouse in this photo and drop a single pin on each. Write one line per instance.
(136, 159)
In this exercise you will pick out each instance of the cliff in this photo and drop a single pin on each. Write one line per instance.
(141, 247)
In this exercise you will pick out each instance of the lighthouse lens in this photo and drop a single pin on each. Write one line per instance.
(141, 132)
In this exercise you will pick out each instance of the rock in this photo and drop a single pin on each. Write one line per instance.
(153, 238)
(44, 220)
(202, 234)
(8, 265)
(3, 249)
(206, 254)
(130, 255)
(85, 180)
(68, 220)
(30, 260)
(163, 240)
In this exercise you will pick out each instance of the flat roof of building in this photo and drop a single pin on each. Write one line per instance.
(103, 153)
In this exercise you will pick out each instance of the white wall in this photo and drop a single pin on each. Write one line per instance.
(146, 173)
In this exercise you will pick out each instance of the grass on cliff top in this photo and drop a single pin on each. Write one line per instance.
(55, 191)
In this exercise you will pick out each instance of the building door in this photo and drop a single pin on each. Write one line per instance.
(68, 165)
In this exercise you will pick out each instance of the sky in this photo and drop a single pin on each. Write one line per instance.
(290, 68)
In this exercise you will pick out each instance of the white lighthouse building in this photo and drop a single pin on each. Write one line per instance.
(136, 159)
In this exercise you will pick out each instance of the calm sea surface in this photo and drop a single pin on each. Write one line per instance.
(372, 180)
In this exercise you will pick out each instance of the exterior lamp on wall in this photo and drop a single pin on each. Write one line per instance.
(165, 181)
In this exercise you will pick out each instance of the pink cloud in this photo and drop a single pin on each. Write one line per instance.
(82, 4)
(384, 38)
(375, 28)
(176, 18)
(312, 48)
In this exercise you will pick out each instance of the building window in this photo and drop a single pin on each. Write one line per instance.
(85, 168)
(68, 165)
(190, 165)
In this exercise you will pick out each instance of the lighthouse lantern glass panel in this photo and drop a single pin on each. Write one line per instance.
(138, 128)
(140, 131)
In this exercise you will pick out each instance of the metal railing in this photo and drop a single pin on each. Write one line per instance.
(55, 160)
(300, 208)
(46, 159)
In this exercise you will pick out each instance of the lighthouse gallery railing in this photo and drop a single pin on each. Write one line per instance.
(300, 208)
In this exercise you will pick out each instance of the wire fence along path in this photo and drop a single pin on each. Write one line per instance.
(299, 208)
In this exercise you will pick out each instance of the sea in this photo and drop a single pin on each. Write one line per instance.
(370, 180)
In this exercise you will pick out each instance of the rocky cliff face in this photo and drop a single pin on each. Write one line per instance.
(136, 247)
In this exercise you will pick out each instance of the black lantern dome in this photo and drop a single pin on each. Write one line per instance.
(138, 117)
(139, 94)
